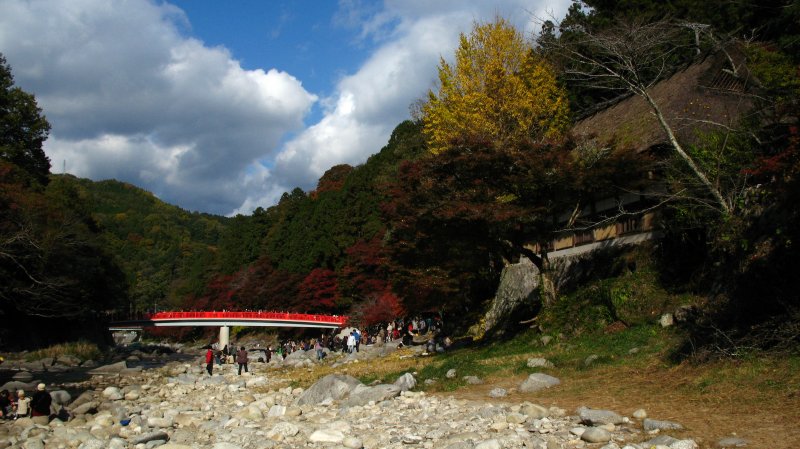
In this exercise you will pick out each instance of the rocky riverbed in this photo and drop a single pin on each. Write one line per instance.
(179, 406)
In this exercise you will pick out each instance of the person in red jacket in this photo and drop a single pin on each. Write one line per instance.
(209, 361)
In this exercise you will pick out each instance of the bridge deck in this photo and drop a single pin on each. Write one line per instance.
(225, 318)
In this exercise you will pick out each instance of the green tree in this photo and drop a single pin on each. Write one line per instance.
(23, 128)
(497, 90)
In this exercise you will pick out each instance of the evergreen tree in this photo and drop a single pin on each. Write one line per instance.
(23, 128)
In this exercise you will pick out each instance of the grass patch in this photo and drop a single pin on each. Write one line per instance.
(757, 397)
(83, 350)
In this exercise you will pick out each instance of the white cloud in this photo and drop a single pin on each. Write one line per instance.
(130, 98)
(367, 105)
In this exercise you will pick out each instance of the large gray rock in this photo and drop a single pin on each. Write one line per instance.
(596, 435)
(517, 289)
(152, 436)
(538, 381)
(23, 376)
(86, 396)
(363, 395)
(539, 362)
(114, 368)
(330, 387)
(60, 397)
(594, 417)
(15, 385)
(406, 382)
(653, 424)
(86, 407)
(661, 440)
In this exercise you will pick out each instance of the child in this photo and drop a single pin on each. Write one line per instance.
(23, 403)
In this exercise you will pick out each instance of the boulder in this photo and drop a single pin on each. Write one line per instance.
(152, 436)
(538, 381)
(363, 395)
(406, 382)
(594, 417)
(23, 376)
(85, 408)
(113, 368)
(330, 387)
(653, 424)
(596, 435)
(515, 293)
(538, 362)
(60, 397)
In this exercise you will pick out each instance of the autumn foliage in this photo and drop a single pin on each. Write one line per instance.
(497, 90)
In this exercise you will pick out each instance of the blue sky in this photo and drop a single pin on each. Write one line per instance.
(220, 106)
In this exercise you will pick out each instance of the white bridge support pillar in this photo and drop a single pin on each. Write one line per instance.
(224, 337)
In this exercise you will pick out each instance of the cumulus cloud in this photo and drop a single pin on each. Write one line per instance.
(131, 98)
(411, 36)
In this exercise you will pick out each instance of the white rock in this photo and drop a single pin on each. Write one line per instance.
(276, 411)
(285, 429)
(225, 446)
(352, 443)
(489, 444)
(112, 393)
(326, 436)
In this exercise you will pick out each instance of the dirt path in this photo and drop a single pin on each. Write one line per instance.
(767, 416)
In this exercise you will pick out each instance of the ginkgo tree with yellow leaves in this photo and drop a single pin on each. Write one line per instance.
(498, 89)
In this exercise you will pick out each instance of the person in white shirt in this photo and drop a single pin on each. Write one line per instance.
(23, 405)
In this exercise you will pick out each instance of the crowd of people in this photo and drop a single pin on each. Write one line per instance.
(20, 405)
(349, 341)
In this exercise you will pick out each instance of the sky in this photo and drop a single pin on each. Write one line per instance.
(221, 106)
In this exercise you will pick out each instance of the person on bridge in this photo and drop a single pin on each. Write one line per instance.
(241, 359)
(209, 361)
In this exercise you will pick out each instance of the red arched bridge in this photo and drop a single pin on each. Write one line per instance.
(226, 319)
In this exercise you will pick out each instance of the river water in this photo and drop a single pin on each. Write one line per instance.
(74, 379)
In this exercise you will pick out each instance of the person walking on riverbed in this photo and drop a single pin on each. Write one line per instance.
(241, 359)
(209, 361)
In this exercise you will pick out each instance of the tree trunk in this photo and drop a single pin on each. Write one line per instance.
(685, 156)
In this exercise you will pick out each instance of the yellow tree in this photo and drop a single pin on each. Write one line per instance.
(497, 90)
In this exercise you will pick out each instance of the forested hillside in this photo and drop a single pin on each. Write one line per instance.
(165, 252)
(491, 168)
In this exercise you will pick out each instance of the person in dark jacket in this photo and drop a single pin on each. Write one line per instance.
(241, 359)
(40, 402)
(5, 404)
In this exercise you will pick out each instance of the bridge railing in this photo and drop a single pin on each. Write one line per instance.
(286, 316)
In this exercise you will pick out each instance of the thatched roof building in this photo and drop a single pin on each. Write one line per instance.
(702, 97)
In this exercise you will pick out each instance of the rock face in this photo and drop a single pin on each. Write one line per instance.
(517, 291)
(177, 407)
